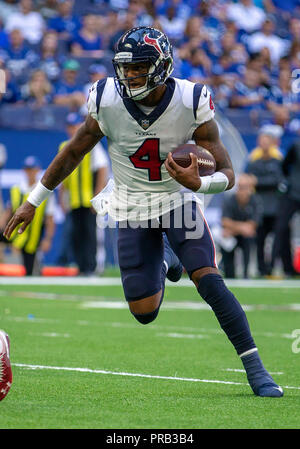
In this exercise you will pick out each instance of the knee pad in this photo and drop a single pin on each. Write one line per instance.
(146, 318)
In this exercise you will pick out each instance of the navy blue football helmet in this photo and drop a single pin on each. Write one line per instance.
(142, 44)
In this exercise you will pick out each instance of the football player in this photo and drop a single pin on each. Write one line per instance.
(145, 114)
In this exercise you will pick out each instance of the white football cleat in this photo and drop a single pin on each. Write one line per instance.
(5, 367)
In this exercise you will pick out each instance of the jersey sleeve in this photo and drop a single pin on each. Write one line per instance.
(92, 101)
(204, 108)
(200, 103)
(95, 106)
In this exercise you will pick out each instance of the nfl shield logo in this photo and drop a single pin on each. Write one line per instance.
(145, 124)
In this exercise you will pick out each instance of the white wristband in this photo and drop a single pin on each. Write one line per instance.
(215, 183)
(38, 194)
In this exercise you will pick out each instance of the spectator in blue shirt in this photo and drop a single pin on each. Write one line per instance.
(282, 101)
(87, 41)
(193, 36)
(249, 93)
(212, 25)
(197, 68)
(18, 57)
(237, 50)
(172, 25)
(66, 23)
(282, 93)
(259, 63)
(225, 74)
(51, 58)
(38, 91)
(227, 71)
(139, 8)
(67, 91)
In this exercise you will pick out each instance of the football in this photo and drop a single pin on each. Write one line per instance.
(206, 161)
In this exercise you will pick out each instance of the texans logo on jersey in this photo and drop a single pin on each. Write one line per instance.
(145, 124)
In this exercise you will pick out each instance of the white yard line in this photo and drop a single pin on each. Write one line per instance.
(147, 376)
(103, 302)
(178, 332)
(49, 334)
(179, 335)
(104, 281)
(189, 305)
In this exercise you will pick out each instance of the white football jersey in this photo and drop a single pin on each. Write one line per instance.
(139, 143)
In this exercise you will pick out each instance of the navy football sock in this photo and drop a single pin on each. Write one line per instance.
(258, 377)
(228, 311)
(234, 322)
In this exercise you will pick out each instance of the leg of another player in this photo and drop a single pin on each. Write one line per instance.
(233, 321)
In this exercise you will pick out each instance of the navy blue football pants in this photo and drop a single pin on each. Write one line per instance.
(141, 250)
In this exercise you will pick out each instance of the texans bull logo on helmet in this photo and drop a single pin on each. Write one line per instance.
(154, 42)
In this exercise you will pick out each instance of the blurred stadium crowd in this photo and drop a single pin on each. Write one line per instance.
(247, 52)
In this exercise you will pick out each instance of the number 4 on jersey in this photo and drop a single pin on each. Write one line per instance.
(147, 158)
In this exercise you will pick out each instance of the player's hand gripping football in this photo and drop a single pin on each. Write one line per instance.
(189, 176)
(23, 215)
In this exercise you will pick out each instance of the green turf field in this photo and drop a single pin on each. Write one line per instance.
(80, 360)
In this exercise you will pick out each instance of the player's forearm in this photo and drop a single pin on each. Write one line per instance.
(223, 162)
(72, 154)
(207, 136)
(61, 167)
